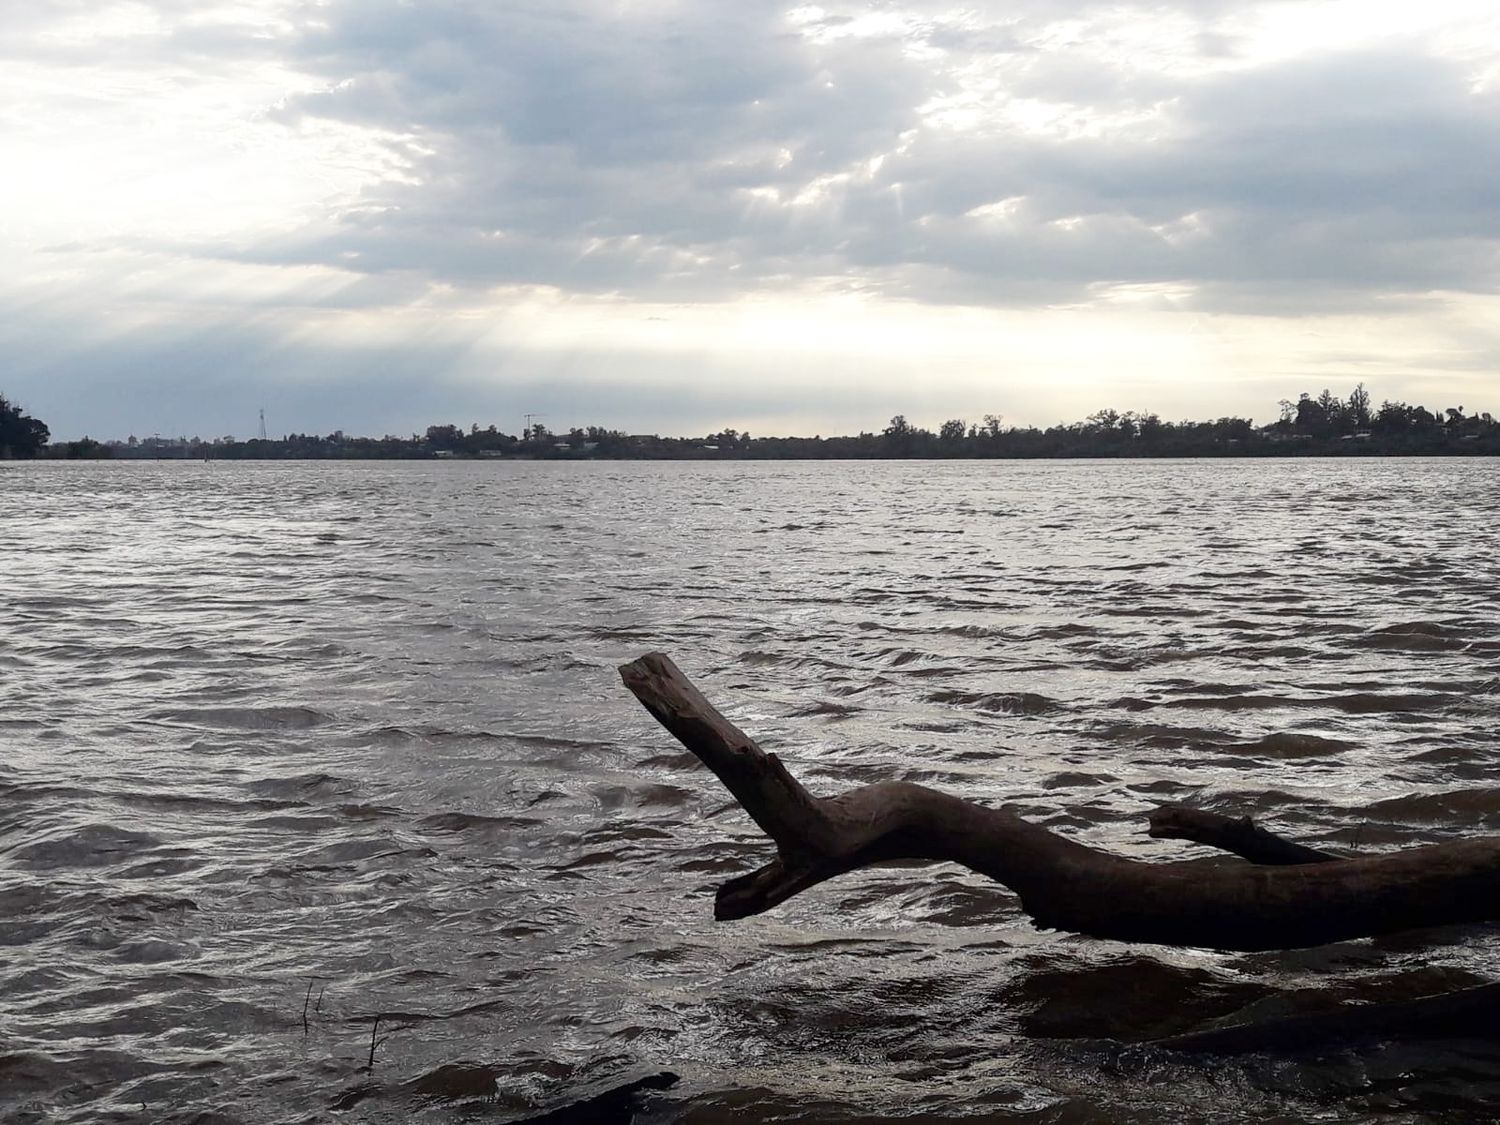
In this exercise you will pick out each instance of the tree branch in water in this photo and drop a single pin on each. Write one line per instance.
(1061, 883)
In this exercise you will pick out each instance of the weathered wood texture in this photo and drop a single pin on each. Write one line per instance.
(1061, 883)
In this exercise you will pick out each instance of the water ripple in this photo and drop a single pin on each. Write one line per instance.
(287, 747)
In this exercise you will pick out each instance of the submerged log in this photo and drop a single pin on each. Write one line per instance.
(1062, 884)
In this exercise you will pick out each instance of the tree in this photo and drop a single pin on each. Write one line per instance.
(1332, 406)
(1358, 407)
(1233, 429)
(1106, 419)
(1312, 415)
(898, 435)
(444, 437)
(1393, 417)
(21, 436)
(87, 449)
(952, 431)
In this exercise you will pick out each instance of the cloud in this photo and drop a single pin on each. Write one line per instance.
(671, 152)
(290, 189)
(675, 153)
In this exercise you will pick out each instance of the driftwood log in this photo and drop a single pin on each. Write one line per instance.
(1289, 896)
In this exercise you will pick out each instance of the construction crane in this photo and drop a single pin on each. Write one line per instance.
(526, 433)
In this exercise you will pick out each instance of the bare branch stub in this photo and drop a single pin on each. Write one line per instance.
(1241, 836)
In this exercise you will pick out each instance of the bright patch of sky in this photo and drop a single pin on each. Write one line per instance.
(371, 215)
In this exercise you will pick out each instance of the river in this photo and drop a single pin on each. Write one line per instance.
(285, 746)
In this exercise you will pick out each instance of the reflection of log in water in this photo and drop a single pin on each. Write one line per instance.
(1470, 1013)
(1289, 895)
(1466, 1013)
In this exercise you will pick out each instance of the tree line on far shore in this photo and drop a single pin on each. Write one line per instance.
(1311, 425)
(21, 435)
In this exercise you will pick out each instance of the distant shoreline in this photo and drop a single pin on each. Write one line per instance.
(1325, 426)
(1473, 452)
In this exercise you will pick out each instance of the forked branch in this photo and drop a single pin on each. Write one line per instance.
(1062, 884)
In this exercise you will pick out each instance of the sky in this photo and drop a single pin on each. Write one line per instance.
(673, 217)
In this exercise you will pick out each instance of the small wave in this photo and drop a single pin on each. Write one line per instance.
(93, 845)
(1458, 806)
(303, 785)
(159, 867)
(1289, 744)
(137, 907)
(1059, 632)
(824, 707)
(1412, 636)
(21, 791)
(154, 951)
(191, 802)
(972, 632)
(622, 633)
(1075, 780)
(771, 659)
(245, 718)
(643, 796)
(959, 904)
(1421, 629)
(999, 702)
(683, 761)
(475, 822)
(1129, 997)
(307, 823)
(1367, 702)
(900, 657)
(1354, 703)
(1407, 642)
(1165, 737)
(1235, 702)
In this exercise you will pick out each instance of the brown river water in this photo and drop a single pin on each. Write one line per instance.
(284, 747)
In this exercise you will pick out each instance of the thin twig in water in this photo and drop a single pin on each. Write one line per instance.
(305, 1000)
(374, 1027)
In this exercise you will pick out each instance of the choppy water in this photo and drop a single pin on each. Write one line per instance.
(357, 727)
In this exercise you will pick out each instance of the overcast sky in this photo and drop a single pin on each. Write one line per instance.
(372, 215)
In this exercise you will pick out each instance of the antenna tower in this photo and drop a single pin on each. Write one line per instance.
(262, 423)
